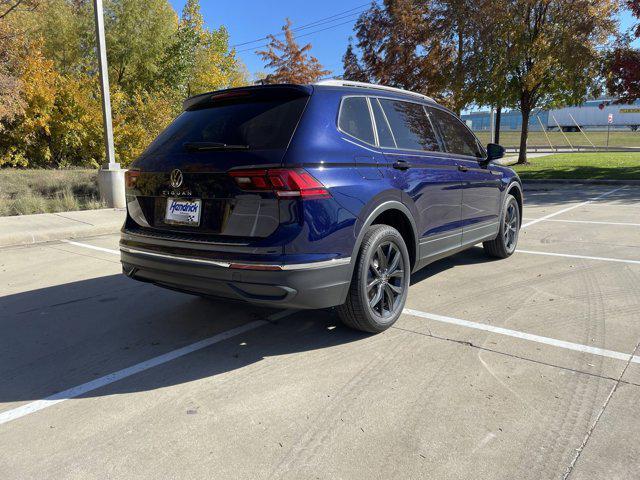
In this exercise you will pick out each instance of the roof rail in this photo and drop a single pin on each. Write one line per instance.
(334, 82)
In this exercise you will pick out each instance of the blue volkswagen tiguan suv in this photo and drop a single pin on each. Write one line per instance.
(313, 196)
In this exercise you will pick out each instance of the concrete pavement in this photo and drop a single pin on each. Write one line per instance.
(300, 396)
(45, 227)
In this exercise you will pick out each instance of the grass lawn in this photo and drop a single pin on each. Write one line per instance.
(618, 138)
(613, 166)
(23, 192)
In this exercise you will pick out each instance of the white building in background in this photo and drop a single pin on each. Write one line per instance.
(593, 114)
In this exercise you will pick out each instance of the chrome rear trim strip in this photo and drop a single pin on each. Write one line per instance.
(249, 266)
(202, 261)
(312, 265)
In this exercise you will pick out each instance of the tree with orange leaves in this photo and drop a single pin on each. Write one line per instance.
(290, 62)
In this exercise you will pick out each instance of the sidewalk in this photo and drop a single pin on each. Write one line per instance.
(45, 227)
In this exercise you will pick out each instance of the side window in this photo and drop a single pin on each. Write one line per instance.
(457, 138)
(355, 120)
(410, 125)
(384, 132)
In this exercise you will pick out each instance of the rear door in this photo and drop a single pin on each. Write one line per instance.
(481, 186)
(186, 168)
(428, 178)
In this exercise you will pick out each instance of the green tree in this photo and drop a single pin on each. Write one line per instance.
(551, 52)
(290, 62)
(138, 33)
(489, 71)
(180, 57)
(67, 28)
(200, 60)
(451, 27)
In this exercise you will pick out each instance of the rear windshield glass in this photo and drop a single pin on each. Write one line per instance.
(260, 124)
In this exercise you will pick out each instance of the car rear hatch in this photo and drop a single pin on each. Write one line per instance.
(181, 186)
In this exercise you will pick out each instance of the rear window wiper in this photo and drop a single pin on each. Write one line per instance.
(200, 146)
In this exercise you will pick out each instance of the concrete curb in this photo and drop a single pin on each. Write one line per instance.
(46, 227)
(584, 181)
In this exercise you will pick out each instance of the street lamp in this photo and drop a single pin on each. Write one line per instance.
(110, 176)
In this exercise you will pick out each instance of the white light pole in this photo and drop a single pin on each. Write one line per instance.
(492, 125)
(110, 176)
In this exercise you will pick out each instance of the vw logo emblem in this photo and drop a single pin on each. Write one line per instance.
(175, 178)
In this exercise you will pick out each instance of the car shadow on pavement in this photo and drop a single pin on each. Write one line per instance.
(62, 336)
(473, 256)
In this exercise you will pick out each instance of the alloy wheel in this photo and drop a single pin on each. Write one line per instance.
(511, 227)
(385, 279)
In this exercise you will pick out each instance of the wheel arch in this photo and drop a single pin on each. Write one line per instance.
(398, 216)
(515, 189)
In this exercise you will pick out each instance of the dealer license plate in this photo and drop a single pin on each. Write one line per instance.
(183, 212)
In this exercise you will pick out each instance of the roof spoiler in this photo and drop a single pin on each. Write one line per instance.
(206, 98)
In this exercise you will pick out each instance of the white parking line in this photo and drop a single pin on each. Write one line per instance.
(587, 221)
(76, 391)
(525, 336)
(564, 210)
(586, 257)
(92, 247)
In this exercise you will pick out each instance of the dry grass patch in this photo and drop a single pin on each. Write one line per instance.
(25, 192)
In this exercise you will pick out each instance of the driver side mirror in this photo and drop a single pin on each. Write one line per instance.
(494, 151)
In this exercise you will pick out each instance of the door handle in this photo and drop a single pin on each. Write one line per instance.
(462, 168)
(401, 165)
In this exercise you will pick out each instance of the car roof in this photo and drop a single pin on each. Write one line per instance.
(371, 88)
(343, 86)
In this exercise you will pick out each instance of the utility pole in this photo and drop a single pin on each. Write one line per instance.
(110, 176)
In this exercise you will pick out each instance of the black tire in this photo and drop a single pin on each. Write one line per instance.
(505, 243)
(373, 277)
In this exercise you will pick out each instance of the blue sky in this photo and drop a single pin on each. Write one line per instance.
(250, 20)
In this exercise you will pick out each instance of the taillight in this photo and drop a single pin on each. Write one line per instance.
(131, 177)
(282, 181)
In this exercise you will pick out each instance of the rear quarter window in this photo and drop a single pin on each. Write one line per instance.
(355, 120)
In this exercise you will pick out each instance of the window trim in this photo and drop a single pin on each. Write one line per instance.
(436, 129)
(425, 106)
(374, 124)
(386, 121)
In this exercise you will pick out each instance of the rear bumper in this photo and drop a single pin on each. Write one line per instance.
(311, 285)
